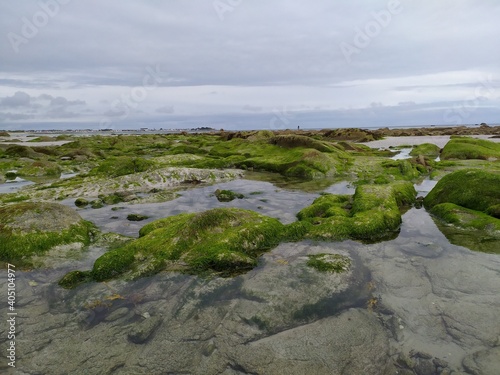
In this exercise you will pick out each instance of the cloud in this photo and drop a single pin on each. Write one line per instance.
(257, 57)
(19, 99)
(167, 109)
(252, 108)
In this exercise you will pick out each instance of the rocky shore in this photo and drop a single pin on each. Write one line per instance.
(223, 272)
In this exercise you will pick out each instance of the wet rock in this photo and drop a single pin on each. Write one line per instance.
(81, 202)
(334, 342)
(97, 203)
(35, 228)
(424, 367)
(227, 195)
(74, 278)
(484, 362)
(235, 238)
(136, 217)
(142, 331)
(117, 314)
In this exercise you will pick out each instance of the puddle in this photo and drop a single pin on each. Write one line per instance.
(11, 186)
(422, 291)
(423, 188)
(403, 153)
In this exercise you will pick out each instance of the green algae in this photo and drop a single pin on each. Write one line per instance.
(466, 218)
(470, 148)
(28, 229)
(470, 188)
(425, 149)
(226, 241)
(227, 195)
(120, 166)
(136, 217)
(335, 263)
(466, 205)
(372, 213)
(40, 168)
(74, 278)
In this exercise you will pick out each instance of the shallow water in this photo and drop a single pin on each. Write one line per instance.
(416, 292)
(11, 186)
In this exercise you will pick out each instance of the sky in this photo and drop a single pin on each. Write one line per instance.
(248, 64)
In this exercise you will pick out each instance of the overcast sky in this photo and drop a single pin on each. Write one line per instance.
(238, 64)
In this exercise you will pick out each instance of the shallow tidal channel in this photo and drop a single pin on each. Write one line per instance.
(415, 303)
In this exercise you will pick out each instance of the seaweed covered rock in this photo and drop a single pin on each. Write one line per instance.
(470, 188)
(222, 240)
(469, 200)
(28, 229)
(227, 195)
(40, 168)
(471, 148)
(425, 149)
(291, 156)
(372, 213)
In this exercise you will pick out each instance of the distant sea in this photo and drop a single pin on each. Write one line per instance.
(145, 130)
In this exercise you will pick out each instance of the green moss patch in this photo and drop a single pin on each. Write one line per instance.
(426, 149)
(334, 263)
(40, 168)
(470, 188)
(372, 213)
(136, 217)
(470, 148)
(226, 241)
(227, 195)
(114, 167)
(28, 229)
(74, 278)
(466, 218)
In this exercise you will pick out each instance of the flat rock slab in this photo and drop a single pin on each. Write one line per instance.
(141, 332)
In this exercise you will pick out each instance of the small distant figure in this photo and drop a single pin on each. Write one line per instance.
(298, 127)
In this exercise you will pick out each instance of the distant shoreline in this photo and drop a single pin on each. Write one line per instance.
(397, 131)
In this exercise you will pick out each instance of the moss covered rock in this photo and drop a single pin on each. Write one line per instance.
(81, 202)
(40, 168)
(28, 229)
(335, 263)
(471, 148)
(75, 278)
(227, 195)
(468, 202)
(136, 217)
(372, 213)
(222, 240)
(470, 188)
(426, 149)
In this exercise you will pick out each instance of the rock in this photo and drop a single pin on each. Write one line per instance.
(34, 228)
(74, 278)
(81, 202)
(227, 195)
(117, 314)
(141, 332)
(424, 367)
(235, 237)
(372, 213)
(483, 362)
(97, 203)
(40, 168)
(136, 217)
